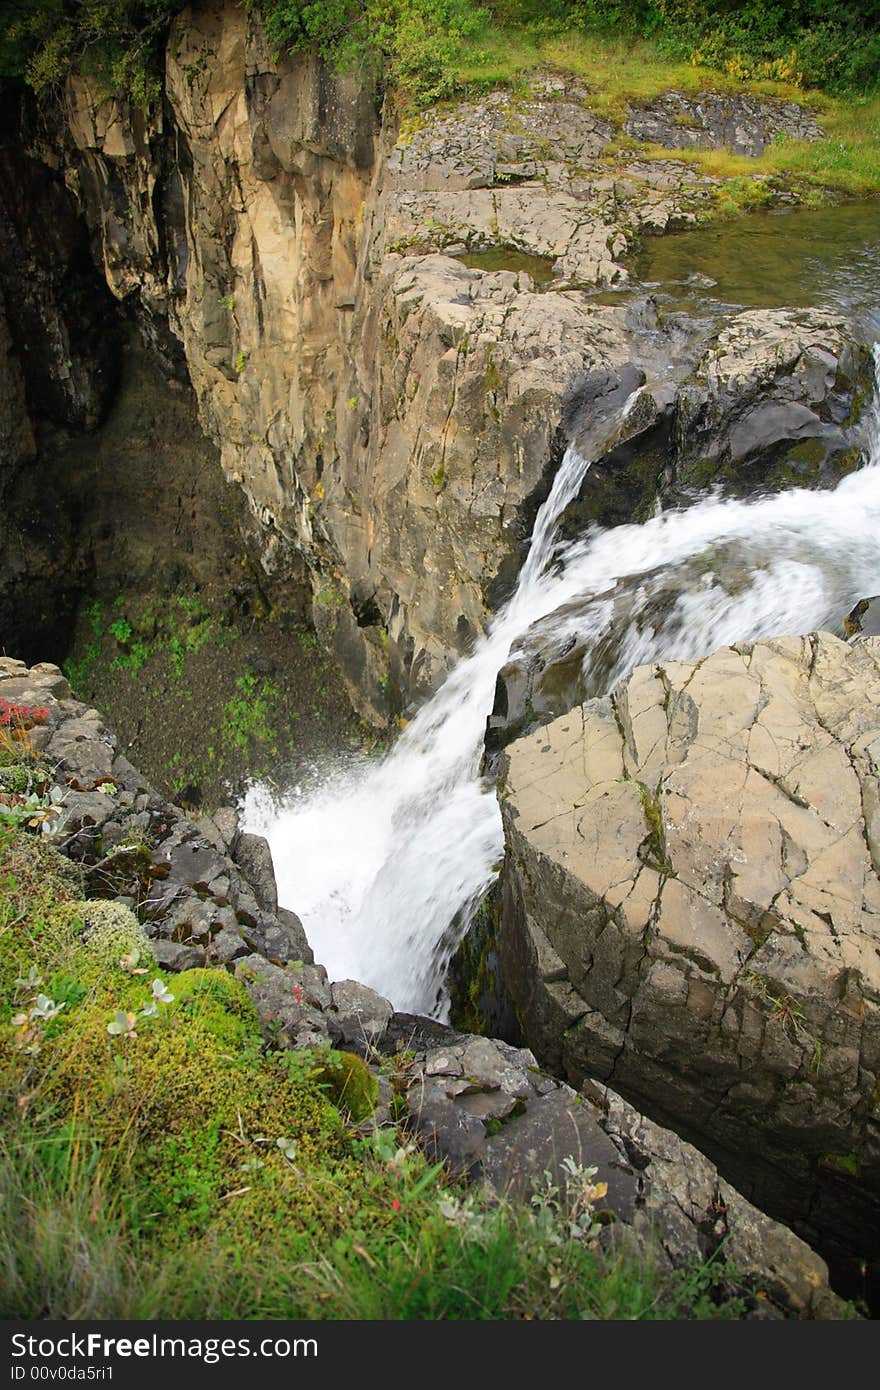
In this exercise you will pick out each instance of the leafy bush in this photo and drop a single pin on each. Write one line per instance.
(818, 43)
(430, 49)
(420, 43)
(118, 43)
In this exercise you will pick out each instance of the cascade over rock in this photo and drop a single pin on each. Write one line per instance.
(691, 910)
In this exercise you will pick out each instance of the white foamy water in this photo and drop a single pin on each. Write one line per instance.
(385, 864)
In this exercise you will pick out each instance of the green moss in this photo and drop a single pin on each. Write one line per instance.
(862, 386)
(16, 778)
(219, 1004)
(492, 376)
(34, 879)
(810, 453)
(841, 1163)
(101, 934)
(653, 848)
(478, 998)
(348, 1082)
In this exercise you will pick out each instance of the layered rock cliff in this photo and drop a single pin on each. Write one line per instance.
(391, 414)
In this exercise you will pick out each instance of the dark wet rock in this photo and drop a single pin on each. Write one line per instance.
(59, 309)
(445, 1130)
(227, 945)
(556, 1127)
(172, 955)
(863, 620)
(776, 403)
(285, 938)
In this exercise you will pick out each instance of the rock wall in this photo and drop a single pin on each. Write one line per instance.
(691, 901)
(391, 416)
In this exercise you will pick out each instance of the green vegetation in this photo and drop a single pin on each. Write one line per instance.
(160, 1159)
(653, 848)
(182, 626)
(118, 43)
(204, 692)
(433, 47)
(246, 717)
(433, 50)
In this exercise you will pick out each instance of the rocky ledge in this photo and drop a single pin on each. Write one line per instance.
(691, 903)
(205, 894)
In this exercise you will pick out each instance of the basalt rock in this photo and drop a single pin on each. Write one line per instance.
(774, 404)
(743, 124)
(388, 412)
(691, 910)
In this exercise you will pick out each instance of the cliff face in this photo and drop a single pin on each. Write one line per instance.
(386, 415)
(390, 413)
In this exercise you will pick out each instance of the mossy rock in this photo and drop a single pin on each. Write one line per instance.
(104, 934)
(219, 1004)
(348, 1083)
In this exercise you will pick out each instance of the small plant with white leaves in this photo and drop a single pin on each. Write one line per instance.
(123, 1023)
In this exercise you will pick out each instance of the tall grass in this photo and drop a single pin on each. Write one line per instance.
(68, 1250)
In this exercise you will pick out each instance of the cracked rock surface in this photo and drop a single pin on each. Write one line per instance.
(692, 913)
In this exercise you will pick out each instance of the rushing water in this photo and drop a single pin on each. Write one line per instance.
(386, 863)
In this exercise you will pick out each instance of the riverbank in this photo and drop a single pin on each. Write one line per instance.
(621, 72)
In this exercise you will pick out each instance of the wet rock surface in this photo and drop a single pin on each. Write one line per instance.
(776, 400)
(774, 403)
(691, 913)
(483, 1107)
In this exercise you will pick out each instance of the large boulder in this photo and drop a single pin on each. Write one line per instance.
(691, 911)
(774, 403)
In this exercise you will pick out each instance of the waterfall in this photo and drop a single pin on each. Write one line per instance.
(386, 863)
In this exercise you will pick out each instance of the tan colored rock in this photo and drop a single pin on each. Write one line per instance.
(387, 418)
(710, 892)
